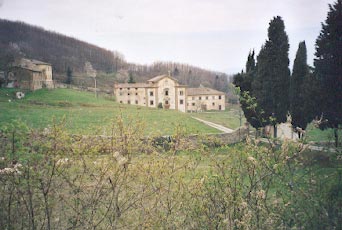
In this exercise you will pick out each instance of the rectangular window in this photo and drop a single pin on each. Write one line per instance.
(128, 94)
(213, 97)
(193, 104)
(120, 93)
(213, 103)
(166, 93)
(136, 102)
(128, 102)
(181, 93)
(220, 97)
(181, 102)
(151, 93)
(151, 102)
(127, 88)
(200, 98)
(136, 94)
(136, 88)
(206, 98)
(166, 102)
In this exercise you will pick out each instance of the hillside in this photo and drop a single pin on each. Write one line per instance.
(18, 39)
(86, 114)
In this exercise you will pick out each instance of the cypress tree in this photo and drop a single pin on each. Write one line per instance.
(272, 81)
(250, 64)
(328, 66)
(300, 117)
(244, 81)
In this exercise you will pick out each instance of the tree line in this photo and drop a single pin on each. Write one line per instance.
(186, 74)
(269, 91)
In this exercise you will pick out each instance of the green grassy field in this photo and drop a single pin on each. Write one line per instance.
(317, 135)
(229, 118)
(81, 171)
(85, 114)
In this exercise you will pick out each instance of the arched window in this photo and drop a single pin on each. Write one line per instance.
(166, 91)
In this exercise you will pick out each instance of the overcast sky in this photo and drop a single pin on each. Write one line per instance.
(213, 34)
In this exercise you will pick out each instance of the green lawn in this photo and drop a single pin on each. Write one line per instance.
(85, 114)
(229, 118)
(317, 135)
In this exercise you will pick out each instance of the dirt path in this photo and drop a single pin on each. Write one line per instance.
(216, 126)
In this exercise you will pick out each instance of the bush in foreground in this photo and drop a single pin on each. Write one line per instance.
(54, 180)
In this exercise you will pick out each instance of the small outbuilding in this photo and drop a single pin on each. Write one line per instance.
(30, 74)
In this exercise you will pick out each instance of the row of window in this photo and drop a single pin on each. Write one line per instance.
(166, 93)
(166, 102)
(181, 102)
(194, 104)
(207, 97)
(127, 94)
(129, 88)
(151, 93)
(181, 92)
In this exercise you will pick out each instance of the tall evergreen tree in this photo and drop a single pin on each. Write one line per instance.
(250, 72)
(328, 65)
(272, 82)
(244, 81)
(300, 117)
(250, 64)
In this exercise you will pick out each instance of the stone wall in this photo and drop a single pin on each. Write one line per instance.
(194, 141)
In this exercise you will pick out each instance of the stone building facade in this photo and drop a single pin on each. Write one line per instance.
(203, 99)
(165, 91)
(30, 74)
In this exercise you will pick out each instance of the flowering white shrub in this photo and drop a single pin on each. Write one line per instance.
(11, 170)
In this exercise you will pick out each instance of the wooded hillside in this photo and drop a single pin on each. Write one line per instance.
(18, 39)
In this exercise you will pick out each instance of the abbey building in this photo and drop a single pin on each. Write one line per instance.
(165, 92)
